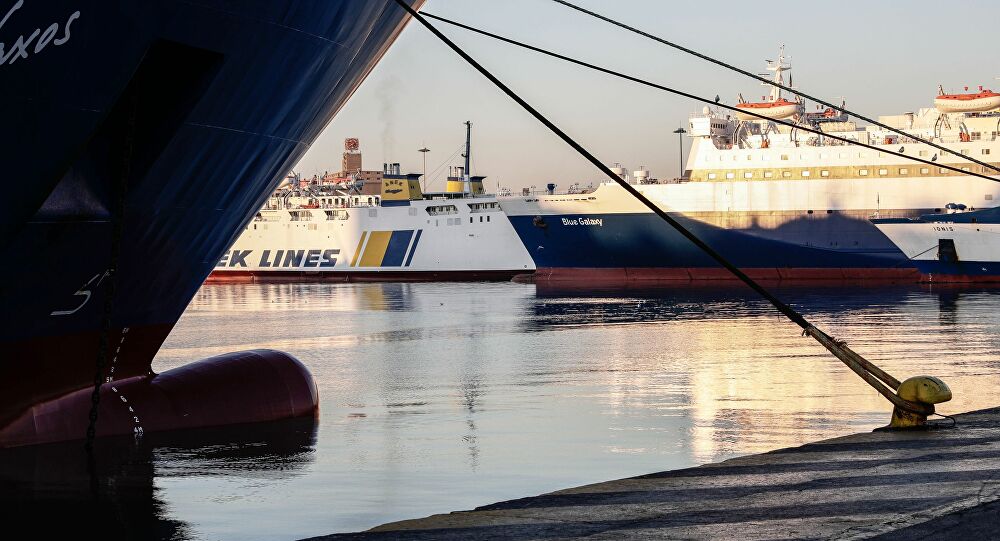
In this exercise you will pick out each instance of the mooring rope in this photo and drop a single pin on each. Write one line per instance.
(854, 361)
(694, 97)
(772, 83)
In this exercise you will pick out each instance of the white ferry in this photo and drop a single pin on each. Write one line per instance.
(959, 245)
(778, 202)
(327, 231)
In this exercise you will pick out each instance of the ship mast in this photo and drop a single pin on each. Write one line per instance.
(777, 67)
(466, 180)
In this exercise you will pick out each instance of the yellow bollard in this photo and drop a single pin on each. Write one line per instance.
(927, 390)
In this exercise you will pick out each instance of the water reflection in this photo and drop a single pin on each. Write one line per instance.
(51, 490)
(437, 397)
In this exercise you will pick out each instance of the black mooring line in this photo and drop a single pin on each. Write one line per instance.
(764, 80)
(705, 100)
(782, 307)
(827, 341)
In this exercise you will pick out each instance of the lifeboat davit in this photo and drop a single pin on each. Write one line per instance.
(777, 109)
(984, 100)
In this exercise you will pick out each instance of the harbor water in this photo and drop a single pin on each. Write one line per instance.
(444, 396)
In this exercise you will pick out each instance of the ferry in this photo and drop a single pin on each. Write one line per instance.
(960, 245)
(341, 229)
(151, 132)
(778, 202)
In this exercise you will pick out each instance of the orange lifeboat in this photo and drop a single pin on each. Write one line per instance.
(984, 100)
(777, 109)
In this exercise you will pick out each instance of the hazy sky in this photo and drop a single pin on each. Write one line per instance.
(884, 57)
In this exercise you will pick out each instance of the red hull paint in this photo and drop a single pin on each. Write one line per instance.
(235, 388)
(959, 279)
(45, 368)
(904, 275)
(250, 277)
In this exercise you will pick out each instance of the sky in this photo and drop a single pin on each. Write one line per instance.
(883, 57)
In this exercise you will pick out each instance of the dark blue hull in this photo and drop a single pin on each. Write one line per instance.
(958, 271)
(824, 246)
(175, 118)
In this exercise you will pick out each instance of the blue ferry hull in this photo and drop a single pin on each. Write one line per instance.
(642, 246)
(177, 117)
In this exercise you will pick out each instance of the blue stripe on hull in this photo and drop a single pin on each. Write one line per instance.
(396, 251)
(644, 240)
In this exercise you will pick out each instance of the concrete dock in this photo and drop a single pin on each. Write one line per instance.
(943, 482)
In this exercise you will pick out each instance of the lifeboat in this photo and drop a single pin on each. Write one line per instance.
(984, 100)
(777, 109)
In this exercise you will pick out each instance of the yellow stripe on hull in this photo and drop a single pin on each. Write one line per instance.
(378, 241)
(357, 251)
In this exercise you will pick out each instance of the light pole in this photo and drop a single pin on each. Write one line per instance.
(424, 151)
(680, 154)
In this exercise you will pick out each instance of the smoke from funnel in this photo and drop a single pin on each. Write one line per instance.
(387, 94)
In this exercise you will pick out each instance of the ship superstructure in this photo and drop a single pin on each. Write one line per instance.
(343, 230)
(776, 200)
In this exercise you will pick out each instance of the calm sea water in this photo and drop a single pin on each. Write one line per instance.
(438, 397)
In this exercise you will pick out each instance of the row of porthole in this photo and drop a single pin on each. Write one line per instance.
(841, 155)
(805, 173)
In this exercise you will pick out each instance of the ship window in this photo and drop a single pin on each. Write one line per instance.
(986, 151)
(924, 170)
(805, 172)
(487, 218)
(748, 175)
(711, 176)
(904, 171)
(768, 174)
(766, 157)
(823, 156)
(922, 153)
(863, 172)
(965, 169)
(730, 175)
(480, 219)
(883, 172)
(989, 197)
(470, 219)
(784, 156)
(965, 152)
(942, 171)
(786, 174)
(824, 173)
(842, 155)
(749, 157)
(862, 154)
